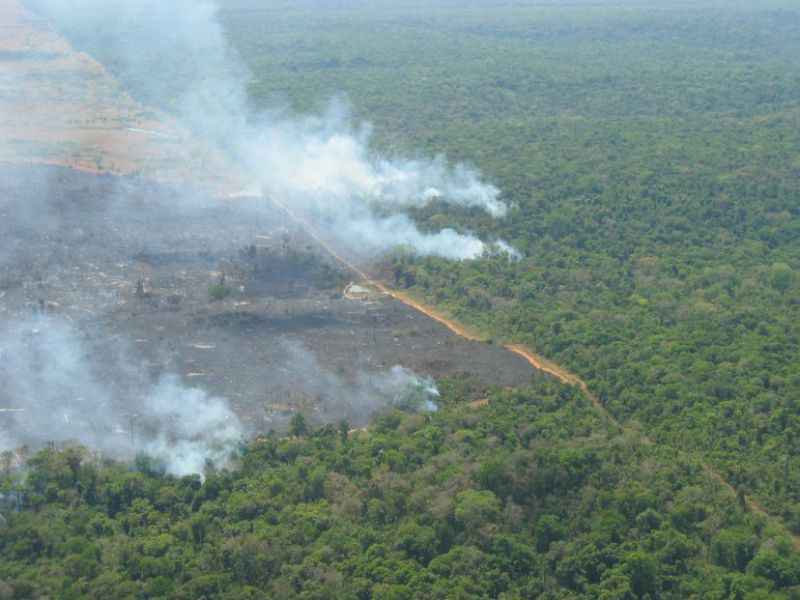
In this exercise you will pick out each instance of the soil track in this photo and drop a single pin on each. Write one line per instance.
(546, 366)
(542, 364)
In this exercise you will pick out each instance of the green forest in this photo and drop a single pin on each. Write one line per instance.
(650, 151)
(531, 496)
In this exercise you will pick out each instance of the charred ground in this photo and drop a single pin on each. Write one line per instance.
(227, 294)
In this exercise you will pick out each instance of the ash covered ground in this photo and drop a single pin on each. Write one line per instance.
(227, 296)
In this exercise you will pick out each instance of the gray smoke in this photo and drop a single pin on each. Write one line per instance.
(176, 53)
(23, 218)
(62, 396)
(54, 388)
(359, 397)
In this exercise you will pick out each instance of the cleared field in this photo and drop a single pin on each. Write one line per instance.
(60, 107)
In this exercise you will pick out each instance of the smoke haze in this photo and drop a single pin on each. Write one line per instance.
(359, 398)
(176, 53)
(46, 375)
(48, 372)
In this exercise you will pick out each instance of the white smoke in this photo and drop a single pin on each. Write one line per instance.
(63, 396)
(320, 164)
(201, 428)
(357, 398)
(508, 250)
(324, 156)
(411, 390)
(374, 235)
(58, 391)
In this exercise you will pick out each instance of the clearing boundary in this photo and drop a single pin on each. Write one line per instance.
(537, 361)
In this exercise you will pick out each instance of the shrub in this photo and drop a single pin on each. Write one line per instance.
(218, 292)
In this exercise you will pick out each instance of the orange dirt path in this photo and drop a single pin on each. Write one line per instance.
(546, 366)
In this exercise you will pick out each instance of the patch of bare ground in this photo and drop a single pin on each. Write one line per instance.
(60, 107)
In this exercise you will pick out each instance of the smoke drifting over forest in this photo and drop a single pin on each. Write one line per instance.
(176, 54)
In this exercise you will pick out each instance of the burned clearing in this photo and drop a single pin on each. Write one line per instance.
(227, 295)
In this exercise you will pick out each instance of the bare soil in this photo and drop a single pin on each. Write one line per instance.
(60, 107)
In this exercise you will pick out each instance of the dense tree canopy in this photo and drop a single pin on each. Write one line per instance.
(532, 495)
(650, 150)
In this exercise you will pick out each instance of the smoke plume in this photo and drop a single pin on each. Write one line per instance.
(357, 398)
(176, 54)
(61, 396)
(59, 391)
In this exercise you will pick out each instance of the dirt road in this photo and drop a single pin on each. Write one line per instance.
(537, 361)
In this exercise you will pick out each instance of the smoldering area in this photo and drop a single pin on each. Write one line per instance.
(113, 334)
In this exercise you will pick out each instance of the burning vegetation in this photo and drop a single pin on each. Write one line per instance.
(132, 310)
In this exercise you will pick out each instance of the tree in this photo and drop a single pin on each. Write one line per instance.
(781, 277)
(734, 548)
(780, 569)
(475, 508)
(643, 572)
(549, 529)
(344, 430)
(297, 426)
